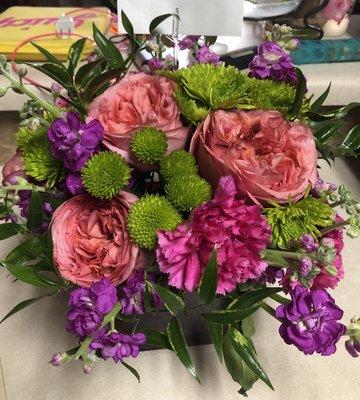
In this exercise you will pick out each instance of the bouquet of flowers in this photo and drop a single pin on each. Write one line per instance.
(132, 190)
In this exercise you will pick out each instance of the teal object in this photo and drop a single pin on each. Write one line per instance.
(327, 51)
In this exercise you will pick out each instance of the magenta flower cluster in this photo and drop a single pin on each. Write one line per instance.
(88, 307)
(310, 321)
(238, 231)
(272, 62)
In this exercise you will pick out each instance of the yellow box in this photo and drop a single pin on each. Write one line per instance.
(20, 23)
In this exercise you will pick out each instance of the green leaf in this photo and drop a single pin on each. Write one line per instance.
(29, 275)
(157, 339)
(83, 73)
(323, 132)
(49, 57)
(127, 24)
(178, 344)
(252, 297)
(237, 368)
(98, 81)
(208, 283)
(127, 318)
(55, 72)
(295, 109)
(340, 112)
(25, 304)
(75, 54)
(108, 50)
(216, 334)
(248, 327)
(157, 21)
(132, 370)
(351, 141)
(226, 317)
(9, 229)
(148, 298)
(316, 105)
(246, 352)
(36, 212)
(26, 251)
(172, 301)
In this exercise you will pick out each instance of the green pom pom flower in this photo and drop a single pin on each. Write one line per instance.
(105, 174)
(39, 162)
(187, 192)
(178, 163)
(149, 145)
(292, 221)
(150, 214)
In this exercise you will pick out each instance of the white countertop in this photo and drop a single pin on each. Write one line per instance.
(28, 339)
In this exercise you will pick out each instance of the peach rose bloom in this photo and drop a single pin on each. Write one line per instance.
(137, 101)
(91, 242)
(270, 158)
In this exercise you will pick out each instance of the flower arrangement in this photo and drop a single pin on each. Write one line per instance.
(131, 191)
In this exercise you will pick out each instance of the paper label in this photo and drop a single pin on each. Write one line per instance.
(197, 17)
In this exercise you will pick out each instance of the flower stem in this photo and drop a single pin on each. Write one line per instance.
(20, 86)
(333, 227)
(268, 309)
(83, 348)
(23, 187)
(280, 299)
(284, 254)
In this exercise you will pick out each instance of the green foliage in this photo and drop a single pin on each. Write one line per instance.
(178, 343)
(149, 145)
(172, 301)
(148, 215)
(178, 163)
(216, 87)
(270, 95)
(209, 280)
(105, 174)
(38, 160)
(226, 317)
(187, 191)
(190, 108)
(293, 220)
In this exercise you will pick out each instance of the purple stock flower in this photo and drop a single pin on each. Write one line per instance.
(352, 347)
(88, 307)
(272, 62)
(271, 275)
(83, 321)
(205, 56)
(306, 266)
(188, 42)
(308, 243)
(310, 321)
(74, 183)
(132, 301)
(104, 295)
(74, 142)
(118, 346)
(155, 64)
(24, 203)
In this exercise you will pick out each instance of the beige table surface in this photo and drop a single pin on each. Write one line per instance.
(28, 339)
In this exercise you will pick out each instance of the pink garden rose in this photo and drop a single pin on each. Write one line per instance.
(271, 159)
(13, 170)
(337, 9)
(137, 101)
(238, 231)
(91, 241)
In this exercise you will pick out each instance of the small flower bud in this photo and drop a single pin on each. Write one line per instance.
(305, 266)
(58, 359)
(328, 242)
(56, 88)
(3, 91)
(87, 368)
(22, 72)
(294, 277)
(2, 59)
(353, 232)
(331, 270)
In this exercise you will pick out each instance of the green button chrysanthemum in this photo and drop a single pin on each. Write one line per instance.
(178, 163)
(187, 192)
(294, 220)
(39, 163)
(149, 145)
(105, 174)
(150, 214)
